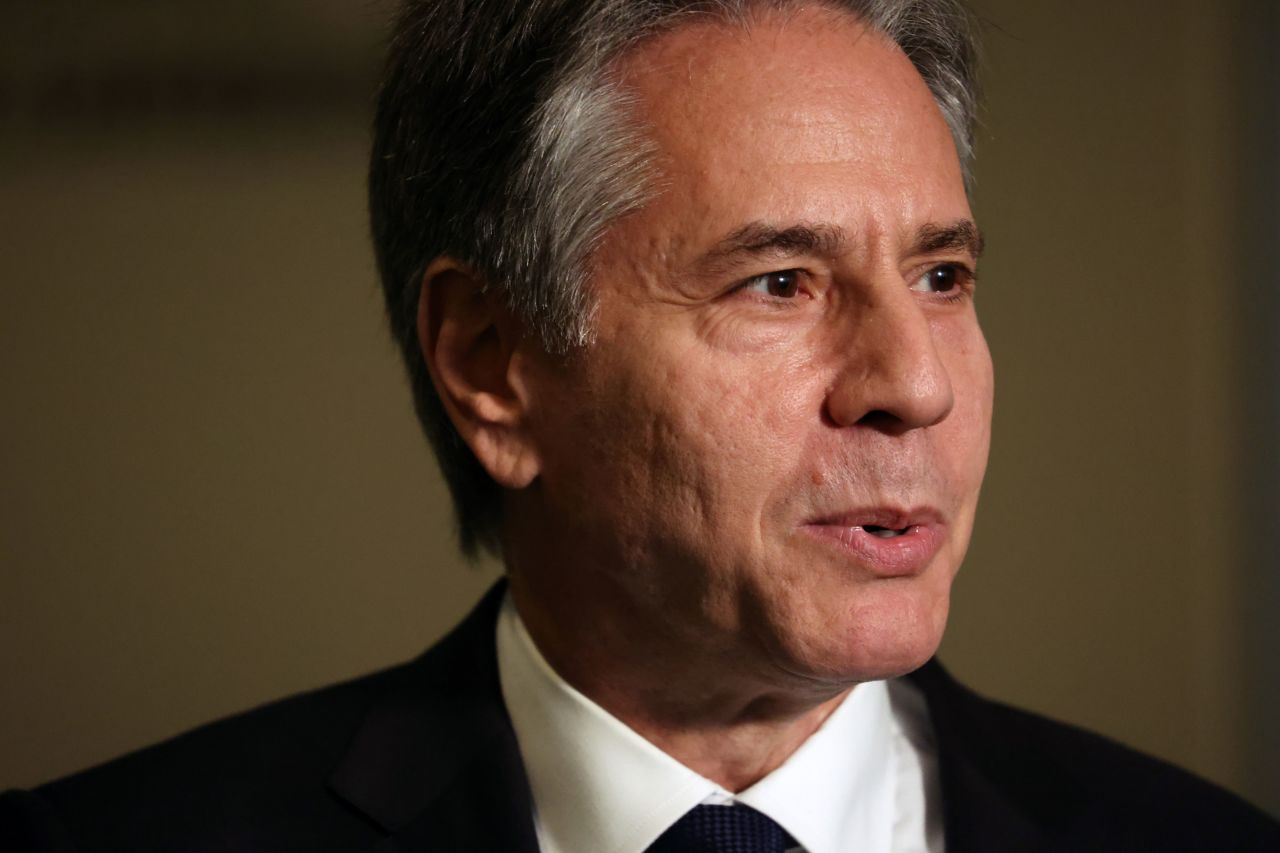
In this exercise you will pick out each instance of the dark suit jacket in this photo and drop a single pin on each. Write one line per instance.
(422, 757)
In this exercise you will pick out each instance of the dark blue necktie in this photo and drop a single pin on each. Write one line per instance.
(723, 829)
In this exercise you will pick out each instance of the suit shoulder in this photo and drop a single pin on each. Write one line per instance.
(1145, 797)
(267, 779)
(255, 776)
(1066, 774)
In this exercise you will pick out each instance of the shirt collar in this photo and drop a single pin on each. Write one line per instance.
(599, 786)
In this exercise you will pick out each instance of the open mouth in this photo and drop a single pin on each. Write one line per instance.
(886, 541)
(885, 532)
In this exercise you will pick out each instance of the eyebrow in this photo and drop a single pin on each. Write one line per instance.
(959, 236)
(762, 238)
(757, 239)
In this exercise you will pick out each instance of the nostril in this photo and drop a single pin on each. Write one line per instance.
(893, 379)
(883, 421)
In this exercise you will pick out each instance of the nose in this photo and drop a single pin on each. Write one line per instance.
(891, 375)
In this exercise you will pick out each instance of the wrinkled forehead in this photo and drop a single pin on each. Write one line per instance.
(809, 114)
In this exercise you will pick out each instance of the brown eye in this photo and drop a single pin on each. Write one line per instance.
(943, 278)
(783, 284)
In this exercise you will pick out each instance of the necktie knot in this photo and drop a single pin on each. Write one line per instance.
(723, 829)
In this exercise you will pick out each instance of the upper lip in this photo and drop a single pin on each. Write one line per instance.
(894, 518)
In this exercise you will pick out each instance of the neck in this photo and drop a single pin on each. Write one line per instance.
(700, 705)
(743, 747)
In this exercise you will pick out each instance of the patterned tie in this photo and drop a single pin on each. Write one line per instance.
(723, 829)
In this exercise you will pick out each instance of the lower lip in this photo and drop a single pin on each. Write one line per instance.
(898, 556)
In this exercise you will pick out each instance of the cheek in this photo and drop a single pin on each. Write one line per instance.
(981, 393)
(968, 362)
(624, 458)
(721, 436)
(707, 440)
(970, 441)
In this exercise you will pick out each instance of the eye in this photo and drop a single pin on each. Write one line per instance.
(945, 279)
(783, 284)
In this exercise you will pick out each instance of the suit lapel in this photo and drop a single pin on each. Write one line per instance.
(435, 762)
(998, 792)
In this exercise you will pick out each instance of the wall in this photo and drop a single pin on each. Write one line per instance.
(1109, 569)
(1259, 347)
(214, 489)
(215, 492)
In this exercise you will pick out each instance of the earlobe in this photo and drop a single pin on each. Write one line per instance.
(472, 350)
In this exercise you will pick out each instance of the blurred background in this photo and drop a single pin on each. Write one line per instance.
(213, 491)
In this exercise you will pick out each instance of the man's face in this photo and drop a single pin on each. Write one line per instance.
(772, 452)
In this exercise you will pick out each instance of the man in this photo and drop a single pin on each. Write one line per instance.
(686, 291)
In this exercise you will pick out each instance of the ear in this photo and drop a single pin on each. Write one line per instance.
(470, 344)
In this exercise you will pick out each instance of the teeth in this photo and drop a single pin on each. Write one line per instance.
(883, 532)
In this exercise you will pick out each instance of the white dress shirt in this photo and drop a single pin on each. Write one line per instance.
(864, 782)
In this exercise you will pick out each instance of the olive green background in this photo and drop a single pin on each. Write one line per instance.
(213, 491)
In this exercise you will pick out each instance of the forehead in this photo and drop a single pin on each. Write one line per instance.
(805, 114)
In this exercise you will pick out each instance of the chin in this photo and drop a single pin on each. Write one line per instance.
(888, 632)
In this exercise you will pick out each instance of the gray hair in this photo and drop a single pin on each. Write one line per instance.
(502, 140)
